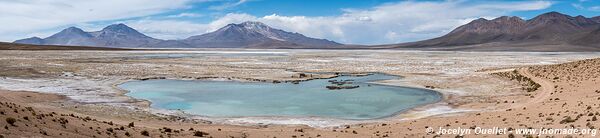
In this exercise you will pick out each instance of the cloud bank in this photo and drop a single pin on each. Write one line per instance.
(20, 17)
(387, 23)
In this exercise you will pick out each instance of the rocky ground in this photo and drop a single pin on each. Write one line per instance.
(476, 94)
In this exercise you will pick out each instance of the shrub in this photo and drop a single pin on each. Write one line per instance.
(110, 130)
(145, 133)
(200, 133)
(11, 121)
(30, 109)
(131, 125)
(169, 130)
(567, 120)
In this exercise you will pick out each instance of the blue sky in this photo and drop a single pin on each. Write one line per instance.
(345, 21)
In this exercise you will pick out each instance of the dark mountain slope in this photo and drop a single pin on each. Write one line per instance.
(116, 35)
(255, 34)
(560, 32)
(243, 35)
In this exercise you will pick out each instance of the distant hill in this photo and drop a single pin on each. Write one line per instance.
(243, 35)
(551, 31)
(116, 35)
(255, 34)
(15, 46)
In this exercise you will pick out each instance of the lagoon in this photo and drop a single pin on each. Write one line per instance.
(228, 99)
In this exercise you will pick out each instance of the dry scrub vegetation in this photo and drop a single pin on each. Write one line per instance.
(27, 121)
(527, 84)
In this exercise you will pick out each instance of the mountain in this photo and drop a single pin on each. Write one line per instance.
(121, 35)
(243, 35)
(550, 31)
(116, 35)
(31, 40)
(15, 46)
(70, 36)
(255, 35)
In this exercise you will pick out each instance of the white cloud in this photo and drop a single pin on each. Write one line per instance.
(167, 29)
(180, 29)
(227, 5)
(387, 23)
(516, 6)
(22, 17)
(398, 22)
(185, 14)
(227, 19)
(594, 8)
(580, 6)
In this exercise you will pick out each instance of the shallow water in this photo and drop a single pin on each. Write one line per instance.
(307, 99)
(201, 54)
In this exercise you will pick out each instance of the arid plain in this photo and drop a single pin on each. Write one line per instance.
(480, 89)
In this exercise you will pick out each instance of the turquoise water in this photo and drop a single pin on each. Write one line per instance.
(258, 99)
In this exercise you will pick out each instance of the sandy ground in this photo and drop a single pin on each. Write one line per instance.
(475, 95)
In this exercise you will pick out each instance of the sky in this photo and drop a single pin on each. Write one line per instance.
(346, 21)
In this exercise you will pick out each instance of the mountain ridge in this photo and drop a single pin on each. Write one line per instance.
(243, 35)
(558, 30)
(251, 34)
(552, 31)
(116, 35)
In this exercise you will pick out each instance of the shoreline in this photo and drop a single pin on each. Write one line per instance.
(414, 113)
(470, 93)
(417, 112)
(312, 121)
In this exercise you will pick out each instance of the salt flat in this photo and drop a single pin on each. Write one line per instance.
(90, 75)
(88, 78)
